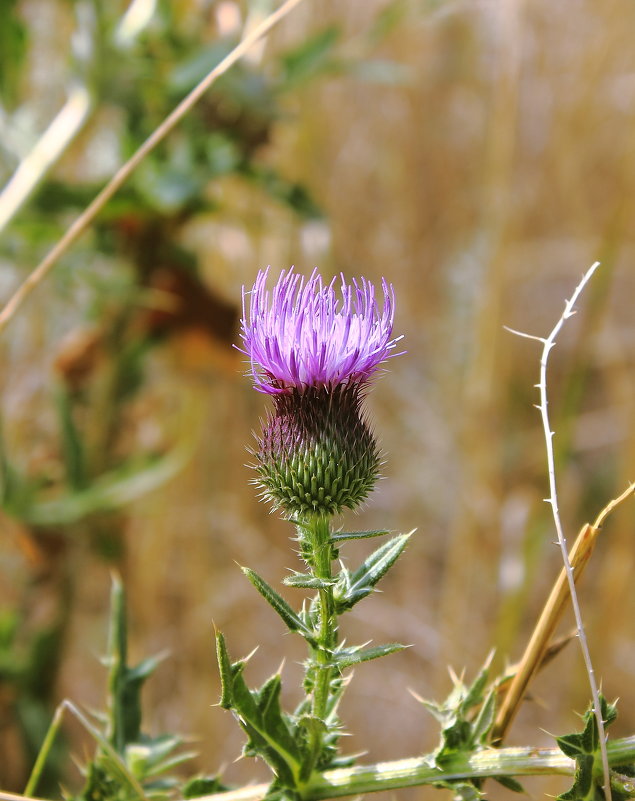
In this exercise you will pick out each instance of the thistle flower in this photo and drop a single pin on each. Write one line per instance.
(315, 353)
(301, 335)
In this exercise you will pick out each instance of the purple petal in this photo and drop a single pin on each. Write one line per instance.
(305, 334)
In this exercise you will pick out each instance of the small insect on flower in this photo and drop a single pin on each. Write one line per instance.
(315, 351)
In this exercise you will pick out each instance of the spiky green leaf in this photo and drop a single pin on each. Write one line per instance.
(475, 692)
(351, 656)
(225, 670)
(583, 788)
(485, 718)
(292, 620)
(357, 585)
(124, 685)
(584, 748)
(342, 536)
(307, 581)
(259, 714)
(273, 720)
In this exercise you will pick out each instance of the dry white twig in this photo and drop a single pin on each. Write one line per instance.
(547, 345)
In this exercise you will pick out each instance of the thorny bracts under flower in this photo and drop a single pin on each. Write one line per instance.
(317, 453)
(315, 353)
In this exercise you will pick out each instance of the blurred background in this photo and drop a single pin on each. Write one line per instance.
(480, 156)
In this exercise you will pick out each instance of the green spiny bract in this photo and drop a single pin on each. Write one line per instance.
(317, 454)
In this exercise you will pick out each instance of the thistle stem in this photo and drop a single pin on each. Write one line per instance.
(320, 556)
(419, 771)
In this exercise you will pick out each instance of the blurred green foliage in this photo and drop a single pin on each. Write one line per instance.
(13, 45)
(127, 763)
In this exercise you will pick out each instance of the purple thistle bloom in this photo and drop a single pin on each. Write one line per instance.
(302, 334)
(314, 350)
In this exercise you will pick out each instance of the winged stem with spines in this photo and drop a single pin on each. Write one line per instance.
(300, 746)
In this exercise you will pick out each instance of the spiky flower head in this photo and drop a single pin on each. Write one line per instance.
(314, 351)
(301, 334)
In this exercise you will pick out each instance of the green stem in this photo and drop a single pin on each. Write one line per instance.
(327, 631)
(45, 748)
(117, 766)
(490, 762)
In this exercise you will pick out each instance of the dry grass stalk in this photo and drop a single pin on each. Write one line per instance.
(538, 646)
